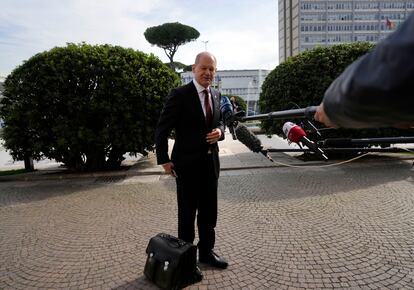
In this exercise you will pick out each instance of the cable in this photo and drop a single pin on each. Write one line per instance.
(335, 164)
(321, 166)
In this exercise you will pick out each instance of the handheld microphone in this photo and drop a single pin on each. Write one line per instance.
(250, 140)
(239, 131)
(296, 134)
(226, 109)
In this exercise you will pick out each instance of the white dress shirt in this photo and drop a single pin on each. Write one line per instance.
(200, 90)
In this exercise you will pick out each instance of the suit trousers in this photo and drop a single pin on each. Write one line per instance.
(197, 193)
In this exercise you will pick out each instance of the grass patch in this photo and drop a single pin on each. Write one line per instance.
(12, 172)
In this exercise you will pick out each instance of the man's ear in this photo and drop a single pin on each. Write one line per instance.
(193, 67)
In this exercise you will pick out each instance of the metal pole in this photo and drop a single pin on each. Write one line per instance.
(205, 44)
(287, 114)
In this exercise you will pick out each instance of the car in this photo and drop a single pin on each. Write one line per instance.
(251, 113)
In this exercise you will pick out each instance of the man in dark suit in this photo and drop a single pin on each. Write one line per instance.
(193, 111)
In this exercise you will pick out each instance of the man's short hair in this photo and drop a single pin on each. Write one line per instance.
(197, 60)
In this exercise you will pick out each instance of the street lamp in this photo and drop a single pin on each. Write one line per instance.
(205, 44)
(255, 86)
(251, 85)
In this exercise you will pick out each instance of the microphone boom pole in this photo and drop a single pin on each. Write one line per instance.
(242, 133)
(307, 113)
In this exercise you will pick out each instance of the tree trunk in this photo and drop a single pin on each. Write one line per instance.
(28, 163)
(115, 159)
(95, 161)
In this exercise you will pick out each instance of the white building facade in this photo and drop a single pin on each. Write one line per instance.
(246, 84)
(305, 24)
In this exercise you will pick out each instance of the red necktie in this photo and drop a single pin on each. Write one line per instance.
(209, 112)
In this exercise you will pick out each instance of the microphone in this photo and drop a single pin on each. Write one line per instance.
(226, 109)
(250, 140)
(296, 134)
(239, 131)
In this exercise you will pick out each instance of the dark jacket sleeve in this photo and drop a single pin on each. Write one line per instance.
(167, 121)
(377, 89)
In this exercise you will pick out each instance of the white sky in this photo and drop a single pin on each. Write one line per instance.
(243, 34)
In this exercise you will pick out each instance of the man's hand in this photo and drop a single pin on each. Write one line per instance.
(321, 117)
(213, 136)
(169, 168)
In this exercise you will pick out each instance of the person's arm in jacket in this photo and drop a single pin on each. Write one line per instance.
(166, 123)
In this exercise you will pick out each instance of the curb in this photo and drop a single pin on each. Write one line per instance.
(154, 170)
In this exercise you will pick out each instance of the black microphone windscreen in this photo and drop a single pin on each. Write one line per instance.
(248, 138)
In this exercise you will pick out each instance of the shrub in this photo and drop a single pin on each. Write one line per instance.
(302, 81)
(84, 105)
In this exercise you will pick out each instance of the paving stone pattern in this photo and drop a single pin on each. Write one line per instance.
(345, 227)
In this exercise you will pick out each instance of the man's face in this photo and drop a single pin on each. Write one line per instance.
(205, 70)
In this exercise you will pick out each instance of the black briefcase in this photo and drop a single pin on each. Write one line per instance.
(171, 262)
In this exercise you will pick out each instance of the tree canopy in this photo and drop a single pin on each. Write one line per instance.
(170, 36)
(83, 105)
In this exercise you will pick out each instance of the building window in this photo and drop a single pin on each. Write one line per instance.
(312, 6)
(366, 16)
(339, 17)
(339, 27)
(340, 6)
(313, 17)
(392, 5)
(312, 27)
(366, 37)
(392, 16)
(363, 5)
(366, 26)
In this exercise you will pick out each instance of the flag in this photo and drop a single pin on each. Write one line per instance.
(388, 23)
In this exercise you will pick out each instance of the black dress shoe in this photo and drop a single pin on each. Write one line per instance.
(213, 259)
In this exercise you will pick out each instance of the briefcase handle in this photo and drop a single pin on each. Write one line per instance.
(173, 241)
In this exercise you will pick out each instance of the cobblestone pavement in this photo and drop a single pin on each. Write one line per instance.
(344, 227)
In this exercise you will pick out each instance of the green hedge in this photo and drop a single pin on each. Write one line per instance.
(303, 79)
(84, 105)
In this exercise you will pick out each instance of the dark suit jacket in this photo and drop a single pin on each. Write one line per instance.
(183, 112)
